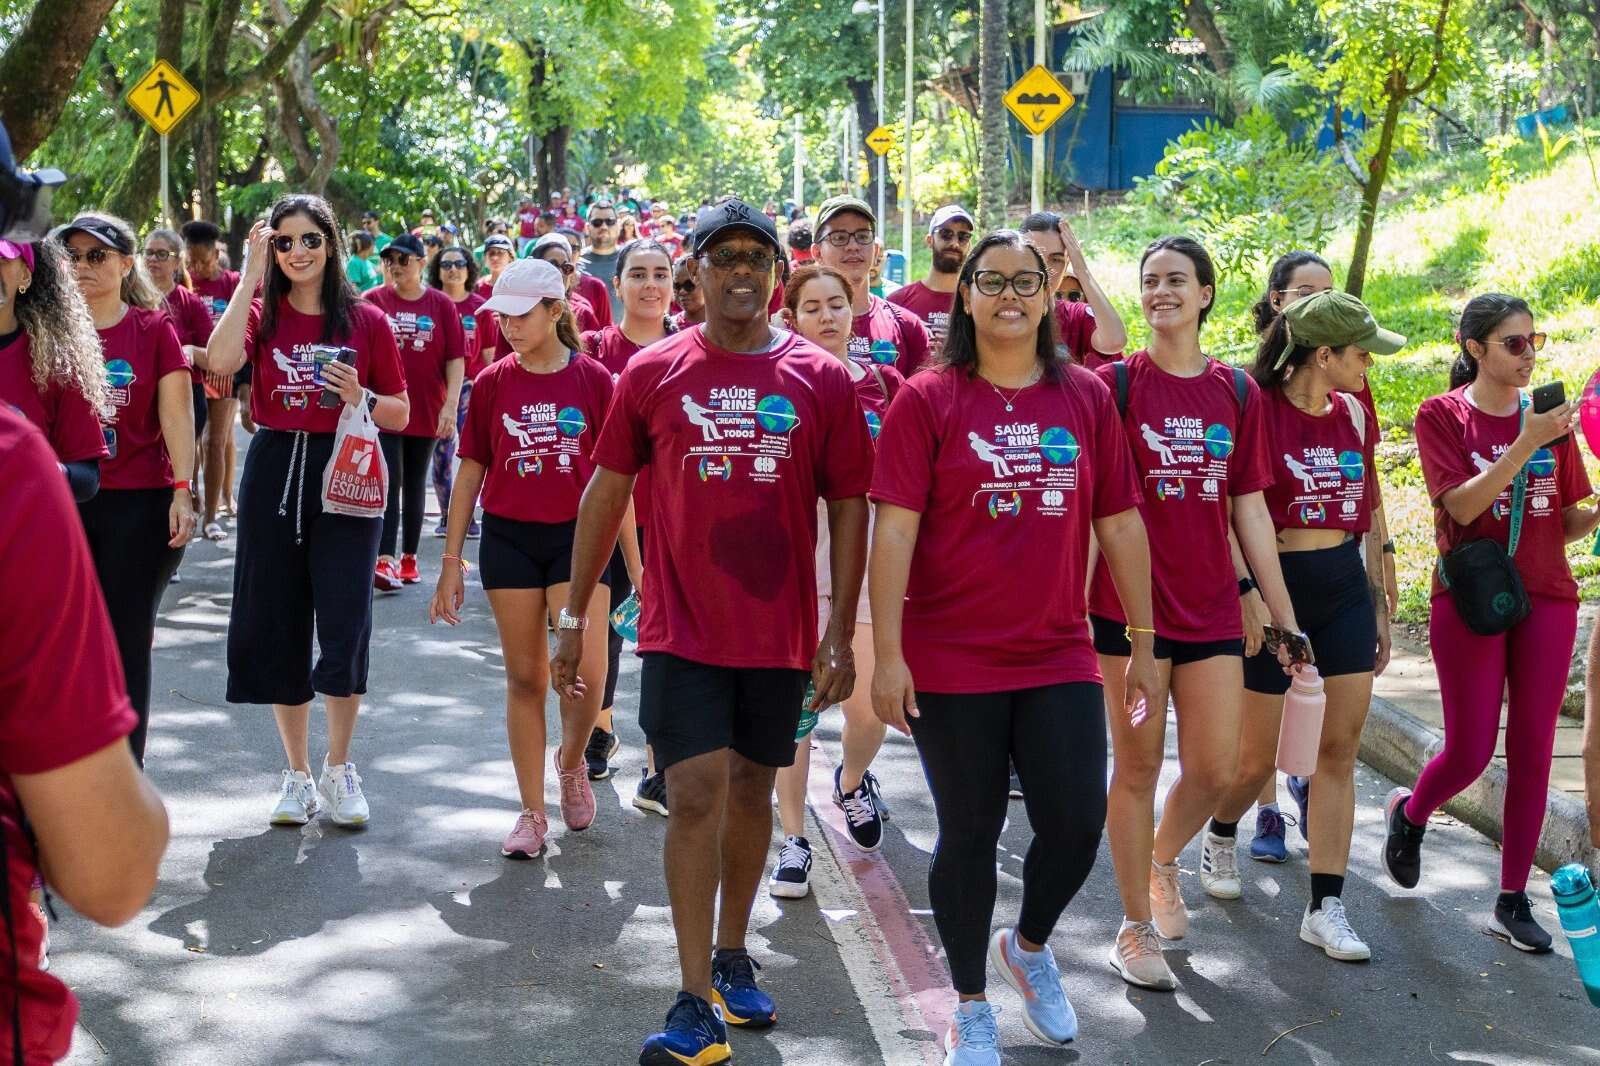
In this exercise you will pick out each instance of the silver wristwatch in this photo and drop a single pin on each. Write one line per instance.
(565, 620)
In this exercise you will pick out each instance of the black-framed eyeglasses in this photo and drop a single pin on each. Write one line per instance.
(839, 238)
(398, 260)
(159, 255)
(452, 264)
(285, 243)
(725, 258)
(956, 235)
(1023, 283)
(684, 286)
(95, 256)
(1517, 344)
(602, 222)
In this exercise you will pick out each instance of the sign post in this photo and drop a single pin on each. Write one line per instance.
(1038, 100)
(162, 98)
(1040, 52)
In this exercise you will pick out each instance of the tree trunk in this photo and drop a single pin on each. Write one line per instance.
(556, 143)
(1377, 173)
(207, 164)
(41, 64)
(992, 115)
(137, 189)
(1202, 23)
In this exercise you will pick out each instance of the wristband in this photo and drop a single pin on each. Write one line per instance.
(459, 561)
(1129, 631)
(1247, 585)
(372, 400)
(1388, 547)
(185, 486)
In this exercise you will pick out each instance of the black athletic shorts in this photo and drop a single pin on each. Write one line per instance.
(1333, 604)
(688, 708)
(1111, 638)
(200, 409)
(530, 555)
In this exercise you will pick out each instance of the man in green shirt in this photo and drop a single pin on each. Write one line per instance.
(380, 239)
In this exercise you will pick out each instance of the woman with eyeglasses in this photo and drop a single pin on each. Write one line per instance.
(556, 250)
(300, 571)
(1311, 364)
(1090, 329)
(1197, 430)
(432, 343)
(143, 515)
(1010, 458)
(190, 314)
(879, 331)
(1497, 470)
(687, 294)
(455, 273)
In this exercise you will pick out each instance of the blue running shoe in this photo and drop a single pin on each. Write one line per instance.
(1046, 1010)
(694, 1036)
(733, 988)
(1300, 789)
(1268, 844)
(973, 1038)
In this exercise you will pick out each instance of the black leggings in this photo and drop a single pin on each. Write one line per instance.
(128, 534)
(410, 461)
(621, 589)
(1056, 737)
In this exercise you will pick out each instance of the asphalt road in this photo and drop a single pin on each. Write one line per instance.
(415, 943)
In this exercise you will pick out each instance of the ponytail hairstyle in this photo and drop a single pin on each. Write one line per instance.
(338, 294)
(1278, 356)
(960, 349)
(1205, 271)
(640, 247)
(1479, 319)
(566, 326)
(1283, 269)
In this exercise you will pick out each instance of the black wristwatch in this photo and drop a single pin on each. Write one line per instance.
(372, 401)
(1247, 585)
(1388, 547)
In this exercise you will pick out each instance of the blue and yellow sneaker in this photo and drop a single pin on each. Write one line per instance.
(694, 1036)
(733, 988)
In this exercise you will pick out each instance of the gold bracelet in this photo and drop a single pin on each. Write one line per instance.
(1129, 631)
(463, 563)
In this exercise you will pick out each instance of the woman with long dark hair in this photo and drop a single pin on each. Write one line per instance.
(1196, 429)
(143, 515)
(1004, 455)
(455, 273)
(1499, 471)
(299, 570)
(1310, 366)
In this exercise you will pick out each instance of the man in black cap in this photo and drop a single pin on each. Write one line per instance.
(743, 427)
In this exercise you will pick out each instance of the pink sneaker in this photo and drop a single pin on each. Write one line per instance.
(577, 798)
(527, 837)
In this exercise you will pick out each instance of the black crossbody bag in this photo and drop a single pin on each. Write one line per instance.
(1481, 575)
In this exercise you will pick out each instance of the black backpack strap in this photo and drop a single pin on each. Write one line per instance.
(1241, 387)
(1120, 370)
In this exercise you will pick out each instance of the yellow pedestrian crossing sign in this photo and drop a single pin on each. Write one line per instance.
(162, 97)
(1038, 99)
(881, 140)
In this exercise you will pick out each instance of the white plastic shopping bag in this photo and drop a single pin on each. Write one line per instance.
(356, 479)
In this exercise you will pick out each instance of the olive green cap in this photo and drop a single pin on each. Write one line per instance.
(1337, 319)
(835, 204)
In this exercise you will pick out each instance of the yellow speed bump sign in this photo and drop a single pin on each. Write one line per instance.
(1038, 99)
(881, 140)
(162, 97)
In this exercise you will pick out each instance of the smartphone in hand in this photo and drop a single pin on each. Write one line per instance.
(1299, 647)
(328, 353)
(1547, 398)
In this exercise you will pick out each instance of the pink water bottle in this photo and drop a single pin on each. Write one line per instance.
(1300, 735)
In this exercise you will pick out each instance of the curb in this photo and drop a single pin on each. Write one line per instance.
(1398, 745)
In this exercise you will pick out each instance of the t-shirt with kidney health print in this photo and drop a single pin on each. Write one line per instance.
(1323, 465)
(1195, 446)
(286, 368)
(887, 334)
(429, 335)
(740, 447)
(535, 436)
(140, 350)
(1455, 442)
(932, 309)
(995, 599)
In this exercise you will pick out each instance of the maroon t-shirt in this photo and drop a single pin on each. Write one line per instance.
(286, 374)
(429, 335)
(1193, 449)
(61, 699)
(467, 309)
(932, 308)
(995, 599)
(139, 351)
(741, 446)
(1075, 323)
(875, 392)
(584, 313)
(216, 291)
(1323, 465)
(613, 348)
(61, 412)
(885, 333)
(191, 317)
(535, 435)
(598, 297)
(1455, 441)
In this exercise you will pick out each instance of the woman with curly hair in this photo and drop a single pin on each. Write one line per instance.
(50, 365)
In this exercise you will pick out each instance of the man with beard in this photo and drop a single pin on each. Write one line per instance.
(881, 332)
(599, 260)
(949, 237)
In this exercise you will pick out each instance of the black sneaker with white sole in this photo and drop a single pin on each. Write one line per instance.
(1402, 848)
(599, 752)
(791, 877)
(652, 792)
(862, 816)
(1015, 791)
(1512, 921)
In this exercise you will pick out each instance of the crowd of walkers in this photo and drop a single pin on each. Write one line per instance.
(725, 424)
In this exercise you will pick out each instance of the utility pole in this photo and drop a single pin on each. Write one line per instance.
(1040, 58)
(906, 143)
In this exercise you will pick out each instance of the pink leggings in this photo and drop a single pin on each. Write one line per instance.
(1473, 675)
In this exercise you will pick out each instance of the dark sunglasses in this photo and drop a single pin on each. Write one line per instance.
(1072, 296)
(958, 236)
(398, 259)
(602, 222)
(452, 264)
(309, 241)
(684, 286)
(1023, 283)
(1517, 344)
(726, 259)
(159, 255)
(95, 256)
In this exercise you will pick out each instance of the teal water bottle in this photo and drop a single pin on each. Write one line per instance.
(625, 619)
(808, 717)
(1580, 920)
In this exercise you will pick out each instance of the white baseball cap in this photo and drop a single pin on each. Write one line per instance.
(948, 213)
(525, 283)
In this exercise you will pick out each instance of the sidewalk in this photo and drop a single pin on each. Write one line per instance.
(1405, 728)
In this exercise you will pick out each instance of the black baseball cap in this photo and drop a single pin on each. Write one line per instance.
(405, 244)
(730, 215)
(100, 230)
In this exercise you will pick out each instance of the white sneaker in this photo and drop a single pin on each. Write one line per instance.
(1219, 867)
(1329, 929)
(297, 800)
(340, 785)
(1171, 917)
(1136, 955)
(791, 877)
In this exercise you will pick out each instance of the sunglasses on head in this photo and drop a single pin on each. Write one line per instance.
(95, 256)
(309, 241)
(1518, 344)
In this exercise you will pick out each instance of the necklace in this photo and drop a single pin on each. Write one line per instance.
(1009, 401)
